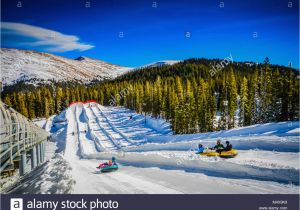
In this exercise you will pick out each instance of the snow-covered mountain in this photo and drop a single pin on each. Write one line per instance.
(161, 63)
(31, 66)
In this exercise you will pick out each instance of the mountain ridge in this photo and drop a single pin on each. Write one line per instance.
(33, 67)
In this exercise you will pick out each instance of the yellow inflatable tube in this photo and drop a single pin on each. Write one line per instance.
(225, 154)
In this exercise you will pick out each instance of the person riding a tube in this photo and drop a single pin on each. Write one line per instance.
(200, 149)
(219, 147)
(109, 163)
(102, 165)
(228, 146)
(113, 160)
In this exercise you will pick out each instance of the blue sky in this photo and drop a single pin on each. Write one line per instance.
(155, 31)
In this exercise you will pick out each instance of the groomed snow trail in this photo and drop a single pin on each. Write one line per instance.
(109, 130)
(96, 133)
(88, 179)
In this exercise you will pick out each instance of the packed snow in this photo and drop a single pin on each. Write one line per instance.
(153, 160)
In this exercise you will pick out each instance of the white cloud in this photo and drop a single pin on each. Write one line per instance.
(53, 41)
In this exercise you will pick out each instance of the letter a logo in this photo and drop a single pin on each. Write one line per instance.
(16, 204)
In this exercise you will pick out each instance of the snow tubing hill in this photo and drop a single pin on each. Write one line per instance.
(225, 154)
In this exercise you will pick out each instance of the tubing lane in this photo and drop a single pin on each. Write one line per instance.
(110, 138)
(122, 138)
(215, 169)
(98, 144)
(100, 137)
(109, 131)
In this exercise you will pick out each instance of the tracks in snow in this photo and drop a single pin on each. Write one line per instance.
(117, 138)
(127, 141)
(87, 145)
(105, 135)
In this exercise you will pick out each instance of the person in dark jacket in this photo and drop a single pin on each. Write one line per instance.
(228, 146)
(219, 147)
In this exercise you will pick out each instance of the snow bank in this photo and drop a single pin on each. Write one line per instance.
(159, 125)
(53, 177)
(281, 129)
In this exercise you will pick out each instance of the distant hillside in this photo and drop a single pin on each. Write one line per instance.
(160, 63)
(33, 67)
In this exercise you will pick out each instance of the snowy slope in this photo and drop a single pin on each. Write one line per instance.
(87, 134)
(160, 63)
(31, 66)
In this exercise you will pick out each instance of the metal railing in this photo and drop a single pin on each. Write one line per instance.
(17, 135)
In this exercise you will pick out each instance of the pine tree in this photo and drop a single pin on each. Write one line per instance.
(266, 92)
(65, 99)
(7, 100)
(157, 98)
(30, 105)
(212, 113)
(276, 99)
(254, 100)
(147, 99)
(223, 121)
(201, 106)
(244, 104)
(22, 104)
(179, 89)
(58, 100)
(232, 99)
(46, 107)
(38, 104)
(166, 101)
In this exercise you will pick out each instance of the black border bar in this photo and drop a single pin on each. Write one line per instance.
(170, 202)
